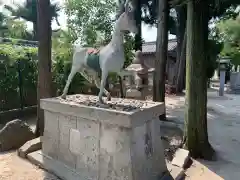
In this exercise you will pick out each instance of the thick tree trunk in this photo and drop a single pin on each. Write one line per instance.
(161, 54)
(196, 136)
(44, 59)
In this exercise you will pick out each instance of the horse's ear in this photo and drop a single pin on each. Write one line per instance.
(128, 6)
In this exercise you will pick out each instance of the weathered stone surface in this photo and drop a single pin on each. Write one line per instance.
(36, 158)
(181, 158)
(235, 81)
(51, 134)
(14, 134)
(144, 149)
(29, 147)
(176, 172)
(167, 176)
(87, 156)
(115, 154)
(103, 143)
(56, 167)
(66, 123)
(133, 93)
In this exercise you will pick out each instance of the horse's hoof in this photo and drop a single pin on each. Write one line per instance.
(109, 98)
(101, 101)
(139, 88)
(63, 96)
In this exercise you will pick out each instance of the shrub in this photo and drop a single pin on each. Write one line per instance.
(19, 60)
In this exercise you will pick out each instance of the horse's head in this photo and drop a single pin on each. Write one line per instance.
(126, 21)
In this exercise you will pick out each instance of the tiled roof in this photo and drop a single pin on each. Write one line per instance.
(150, 47)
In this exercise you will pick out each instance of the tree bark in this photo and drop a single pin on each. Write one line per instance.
(138, 18)
(161, 54)
(181, 50)
(196, 135)
(35, 31)
(44, 60)
(182, 65)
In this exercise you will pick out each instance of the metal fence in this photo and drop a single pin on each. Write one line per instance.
(18, 81)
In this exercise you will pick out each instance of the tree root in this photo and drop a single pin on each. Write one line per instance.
(205, 152)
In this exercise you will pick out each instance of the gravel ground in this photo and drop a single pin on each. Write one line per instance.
(119, 104)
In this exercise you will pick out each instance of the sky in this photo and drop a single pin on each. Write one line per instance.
(148, 33)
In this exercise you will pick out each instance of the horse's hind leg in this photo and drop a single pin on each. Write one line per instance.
(87, 73)
(74, 70)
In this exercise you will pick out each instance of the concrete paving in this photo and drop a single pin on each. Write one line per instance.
(223, 131)
(224, 135)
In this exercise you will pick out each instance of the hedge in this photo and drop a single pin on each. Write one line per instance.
(18, 60)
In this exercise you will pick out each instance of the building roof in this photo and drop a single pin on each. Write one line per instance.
(150, 47)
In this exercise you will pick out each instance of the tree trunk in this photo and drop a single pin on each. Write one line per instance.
(35, 31)
(196, 136)
(44, 60)
(181, 51)
(138, 18)
(121, 87)
(161, 54)
(182, 65)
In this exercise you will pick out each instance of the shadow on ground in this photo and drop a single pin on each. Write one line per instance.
(224, 135)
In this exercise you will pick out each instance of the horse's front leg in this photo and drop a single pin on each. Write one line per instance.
(74, 70)
(102, 85)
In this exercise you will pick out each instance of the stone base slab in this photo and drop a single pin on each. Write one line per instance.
(29, 147)
(51, 165)
(103, 143)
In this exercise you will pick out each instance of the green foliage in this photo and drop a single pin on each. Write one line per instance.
(13, 53)
(3, 26)
(90, 20)
(230, 35)
(61, 70)
(15, 59)
(214, 48)
(12, 28)
(17, 29)
(62, 62)
(128, 50)
(28, 11)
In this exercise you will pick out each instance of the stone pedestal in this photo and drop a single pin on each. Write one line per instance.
(86, 142)
(222, 82)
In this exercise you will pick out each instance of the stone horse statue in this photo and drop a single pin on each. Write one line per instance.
(90, 62)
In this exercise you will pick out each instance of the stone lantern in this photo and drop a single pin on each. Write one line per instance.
(138, 78)
(222, 68)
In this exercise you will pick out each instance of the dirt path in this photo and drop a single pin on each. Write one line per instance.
(14, 168)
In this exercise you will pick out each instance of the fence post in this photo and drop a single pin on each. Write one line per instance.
(20, 83)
